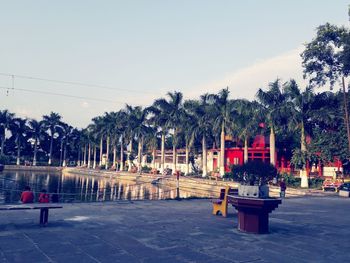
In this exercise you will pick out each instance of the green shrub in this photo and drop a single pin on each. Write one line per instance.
(228, 175)
(146, 169)
(291, 180)
(316, 183)
(254, 173)
(4, 159)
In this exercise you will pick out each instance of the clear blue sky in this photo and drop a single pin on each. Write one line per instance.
(143, 49)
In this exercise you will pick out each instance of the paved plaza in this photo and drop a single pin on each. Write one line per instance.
(308, 229)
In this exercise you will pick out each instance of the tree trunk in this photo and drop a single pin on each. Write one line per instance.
(346, 120)
(154, 158)
(121, 155)
(79, 154)
(89, 156)
(61, 153)
(3, 142)
(95, 155)
(84, 161)
(35, 151)
(222, 150)
(162, 157)
(107, 152)
(187, 159)
(114, 155)
(174, 158)
(129, 156)
(50, 154)
(245, 149)
(65, 156)
(101, 150)
(302, 138)
(272, 146)
(139, 155)
(18, 162)
(204, 156)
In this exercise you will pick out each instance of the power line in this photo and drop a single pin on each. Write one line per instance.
(74, 83)
(62, 95)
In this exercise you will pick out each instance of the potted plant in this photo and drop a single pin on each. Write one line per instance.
(253, 178)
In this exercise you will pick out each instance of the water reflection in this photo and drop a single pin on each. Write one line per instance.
(77, 188)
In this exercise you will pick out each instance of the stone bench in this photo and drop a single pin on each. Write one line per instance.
(44, 208)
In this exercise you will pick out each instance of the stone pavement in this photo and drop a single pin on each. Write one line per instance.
(307, 229)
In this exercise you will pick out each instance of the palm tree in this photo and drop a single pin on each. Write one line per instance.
(51, 122)
(131, 124)
(140, 130)
(171, 110)
(66, 135)
(246, 121)
(94, 136)
(99, 134)
(109, 123)
(158, 120)
(84, 141)
(273, 102)
(301, 106)
(36, 129)
(19, 129)
(222, 120)
(199, 125)
(5, 122)
(151, 141)
(301, 109)
(121, 126)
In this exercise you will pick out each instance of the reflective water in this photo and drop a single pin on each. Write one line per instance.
(82, 188)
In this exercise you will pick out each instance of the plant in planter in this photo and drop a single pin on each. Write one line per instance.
(253, 178)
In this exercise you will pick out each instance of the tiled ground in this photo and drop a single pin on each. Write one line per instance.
(309, 229)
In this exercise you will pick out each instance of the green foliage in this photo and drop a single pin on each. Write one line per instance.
(316, 183)
(299, 158)
(5, 159)
(254, 173)
(146, 169)
(324, 56)
(291, 180)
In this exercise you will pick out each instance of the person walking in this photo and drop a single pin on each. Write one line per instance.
(283, 188)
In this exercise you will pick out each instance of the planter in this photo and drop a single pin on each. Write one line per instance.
(344, 193)
(253, 191)
(253, 213)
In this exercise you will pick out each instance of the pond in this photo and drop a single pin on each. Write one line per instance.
(82, 188)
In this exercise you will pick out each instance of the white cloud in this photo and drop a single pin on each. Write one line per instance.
(85, 105)
(245, 82)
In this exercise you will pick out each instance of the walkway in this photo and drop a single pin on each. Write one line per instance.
(312, 229)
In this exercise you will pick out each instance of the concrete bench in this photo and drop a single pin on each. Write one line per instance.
(44, 209)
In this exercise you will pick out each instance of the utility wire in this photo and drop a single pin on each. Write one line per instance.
(76, 83)
(62, 95)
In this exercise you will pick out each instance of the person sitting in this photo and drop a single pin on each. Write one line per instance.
(44, 197)
(27, 195)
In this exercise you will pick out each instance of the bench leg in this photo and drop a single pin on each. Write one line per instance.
(44, 216)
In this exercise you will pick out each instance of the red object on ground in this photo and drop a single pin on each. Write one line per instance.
(27, 197)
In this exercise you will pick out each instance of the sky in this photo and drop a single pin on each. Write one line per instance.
(136, 51)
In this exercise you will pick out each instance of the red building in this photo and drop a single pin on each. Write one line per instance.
(234, 152)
